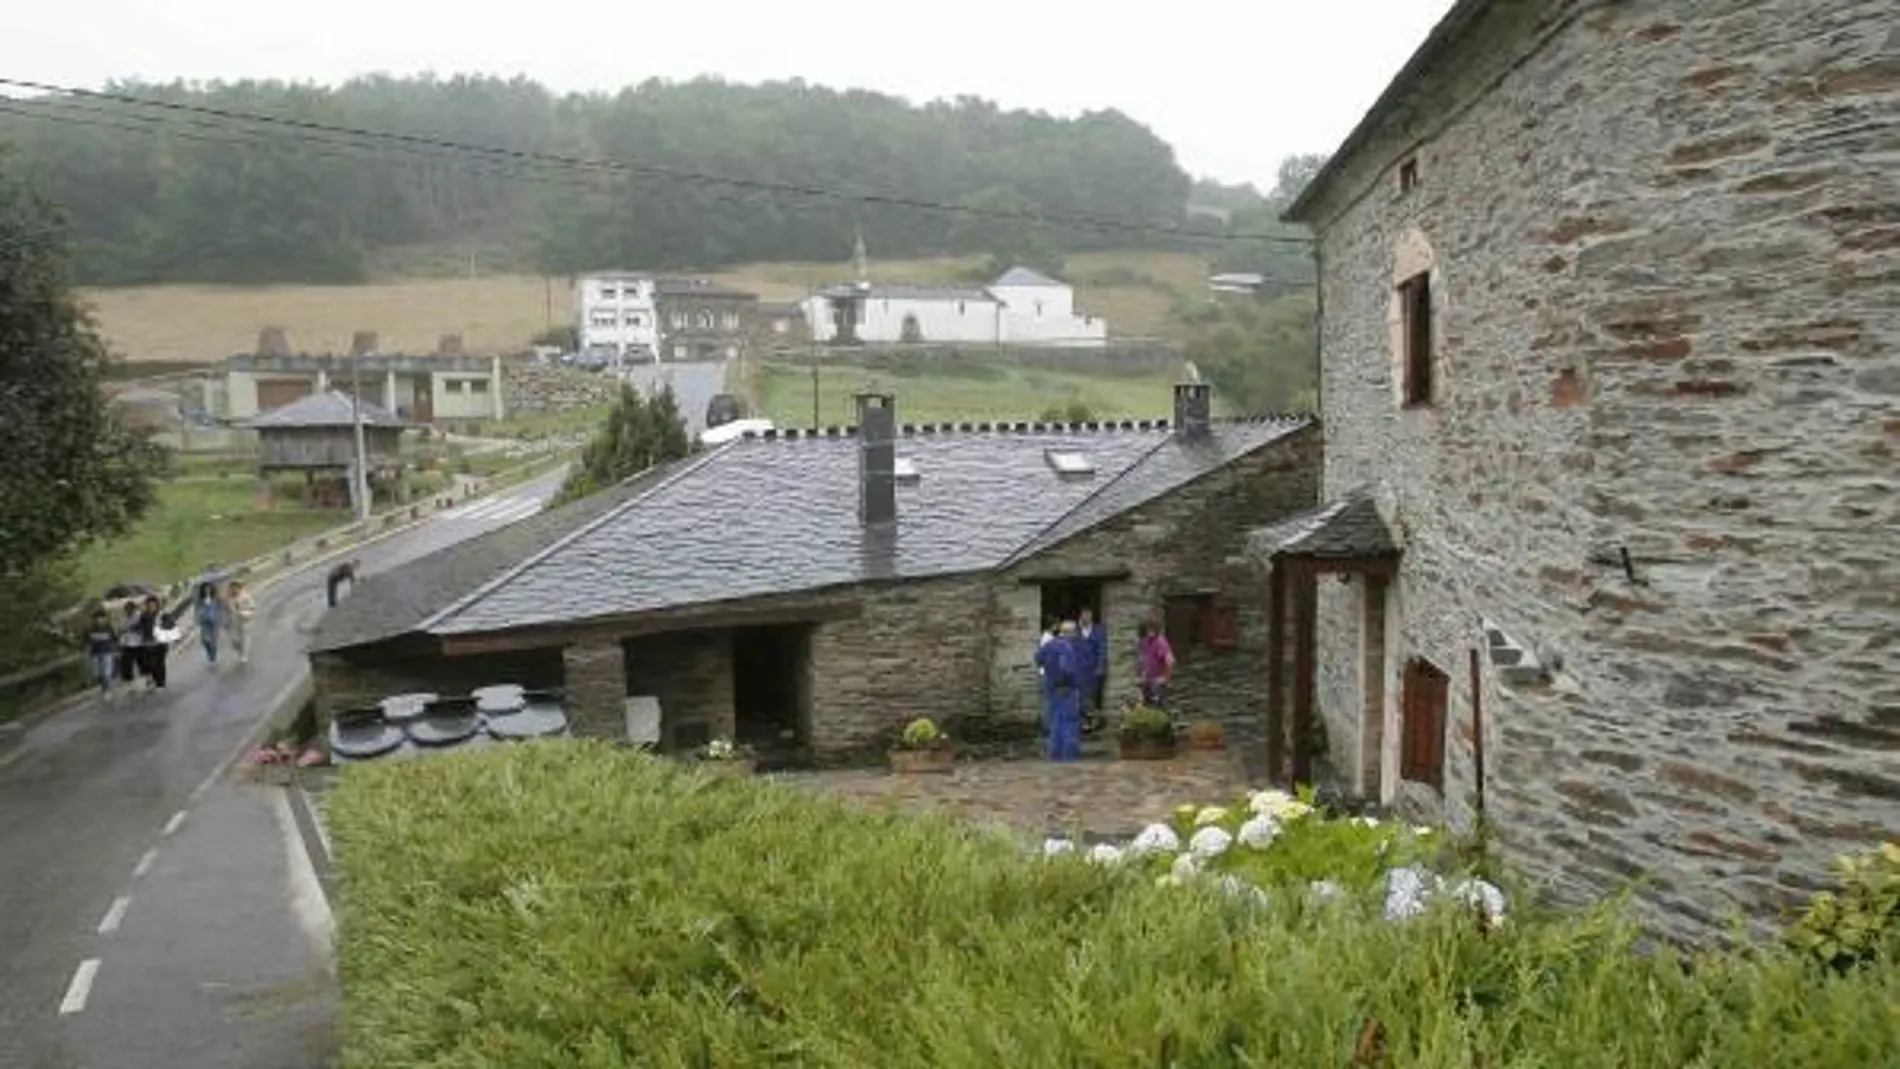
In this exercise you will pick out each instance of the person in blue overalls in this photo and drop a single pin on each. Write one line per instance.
(1064, 667)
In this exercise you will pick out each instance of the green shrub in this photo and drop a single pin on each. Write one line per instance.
(921, 734)
(1147, 722)
(576, 905)
(1859, 925)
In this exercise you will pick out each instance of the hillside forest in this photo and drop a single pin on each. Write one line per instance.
(159, 194)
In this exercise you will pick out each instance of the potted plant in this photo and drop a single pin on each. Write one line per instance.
(922, 747)
(1147, 734)
(1205, 735)
(727, 758)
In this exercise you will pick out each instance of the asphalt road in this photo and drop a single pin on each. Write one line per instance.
(694, 384)
(153, 913)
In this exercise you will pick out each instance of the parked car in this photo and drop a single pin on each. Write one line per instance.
(723, 408)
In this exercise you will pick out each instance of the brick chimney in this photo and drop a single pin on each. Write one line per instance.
(363, 343)
(450, 345)
(1193, 405)
(273, 341)
(877, 459)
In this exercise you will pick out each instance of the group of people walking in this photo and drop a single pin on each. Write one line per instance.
(131, 644)
(1072, 663)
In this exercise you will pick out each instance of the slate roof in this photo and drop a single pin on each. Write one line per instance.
(697, 287)
(1345, 529)
(765, 516)
(387, 604)
(900, 291)
(331, 408)
(1023, 276)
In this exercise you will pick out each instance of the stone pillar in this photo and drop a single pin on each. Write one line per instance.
(596, 678)
(494, 389)
(389, 392)
(323, 381)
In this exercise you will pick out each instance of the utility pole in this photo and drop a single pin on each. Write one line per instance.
(811, 338)
(362, 450)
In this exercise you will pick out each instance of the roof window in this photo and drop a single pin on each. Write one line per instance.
(1069, 462)
(906, 470)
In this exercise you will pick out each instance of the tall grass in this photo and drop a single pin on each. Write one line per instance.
(572, 905)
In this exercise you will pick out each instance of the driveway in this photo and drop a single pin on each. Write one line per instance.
(153, 913)
(694, 383)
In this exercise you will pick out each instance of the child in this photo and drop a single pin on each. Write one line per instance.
(101, 643)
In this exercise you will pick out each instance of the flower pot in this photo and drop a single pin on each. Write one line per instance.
(937, 759)
(734, 766)
(1144, 748)
(1205, 735)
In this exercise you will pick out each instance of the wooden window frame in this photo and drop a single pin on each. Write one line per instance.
(1424, 715)
(1417, 355)
(1199, 622)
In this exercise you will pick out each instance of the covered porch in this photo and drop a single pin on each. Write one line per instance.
(1345, 542)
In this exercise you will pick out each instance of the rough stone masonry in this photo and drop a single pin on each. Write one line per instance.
(1663, 239)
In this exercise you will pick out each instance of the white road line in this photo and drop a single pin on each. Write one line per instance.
(80, 989)
(115, 915)
(172, 825)
(323, 833)
(145, 863)
(306, 894)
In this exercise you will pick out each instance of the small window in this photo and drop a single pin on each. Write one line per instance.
(906, 470)
(960, 308)
(478, 386)
(609, 293)
(704, 320)
(1415, 302)
(1425, 696)
(1199, 622)
(1069, 462)
(636, 320)
(730, 320)
(1408, 175)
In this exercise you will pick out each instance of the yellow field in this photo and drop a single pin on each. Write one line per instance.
(501, 313)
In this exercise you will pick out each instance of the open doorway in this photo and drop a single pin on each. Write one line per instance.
(771, 686)
(1064, 599)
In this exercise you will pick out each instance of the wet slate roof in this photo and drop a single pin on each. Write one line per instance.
(764, 516)
(332, 408)
(395, 602)
(1024, 277)
(408, 725)
(1349, 527)
(697, 287)
(899, 291)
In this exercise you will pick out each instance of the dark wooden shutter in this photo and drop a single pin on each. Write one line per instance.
(1182, 624)
(1218, 627)
(1424, 697)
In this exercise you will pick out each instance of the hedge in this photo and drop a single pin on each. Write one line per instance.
(574, 905)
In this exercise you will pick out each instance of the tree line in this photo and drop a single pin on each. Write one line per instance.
(158, 195)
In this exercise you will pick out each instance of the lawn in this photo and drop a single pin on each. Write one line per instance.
(973, 391)
(199, 520)
(495, 313)
(577, 905)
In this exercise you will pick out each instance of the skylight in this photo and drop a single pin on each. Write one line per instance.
(906, 470)
(1069, 462)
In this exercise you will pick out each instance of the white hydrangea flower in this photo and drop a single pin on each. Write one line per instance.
(1155, 839)
(1366, 822)
(1210, 842)
(1406, 892)
(1259, 832)
(1213, 814)
(1185, 867)
(1325, 890)
(1053, 847)
(1105, 853)
(1483, 895)
(1268, 801)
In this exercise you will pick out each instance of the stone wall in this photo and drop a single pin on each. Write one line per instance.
(1665, 268)
(341, 682)
(535, 387)
(691, 673)
(918, 649)
(1189, 541)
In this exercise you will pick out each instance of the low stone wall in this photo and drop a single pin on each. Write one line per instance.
(532, 387)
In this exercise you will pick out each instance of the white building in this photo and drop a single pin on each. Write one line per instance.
(1020, 308)
(615, 316)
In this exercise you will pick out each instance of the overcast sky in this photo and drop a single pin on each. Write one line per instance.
(1234, 85)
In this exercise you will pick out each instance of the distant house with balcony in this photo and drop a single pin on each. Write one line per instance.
(703, 320)
(615, 316)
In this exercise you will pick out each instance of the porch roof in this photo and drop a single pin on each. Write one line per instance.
(1349, 528)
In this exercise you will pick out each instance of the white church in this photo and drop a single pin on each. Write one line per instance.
(1021, 307)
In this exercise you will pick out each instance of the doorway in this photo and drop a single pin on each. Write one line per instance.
(771, 686)
(1064, 599)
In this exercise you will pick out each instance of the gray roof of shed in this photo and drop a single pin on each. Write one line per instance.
(1348, 528)
(331, 408)
(398, 601)
(759, 517)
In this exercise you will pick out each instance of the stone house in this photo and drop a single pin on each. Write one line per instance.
(703, 320)
(1611, 349)
(817, 589)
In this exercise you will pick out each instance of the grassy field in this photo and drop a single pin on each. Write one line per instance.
(199, 520)
(189, 324)
(965, 392)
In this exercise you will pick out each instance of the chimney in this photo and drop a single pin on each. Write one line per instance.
(877, 459)
(1192, 406)
(450, 345)
(363, 343)
(272, 341)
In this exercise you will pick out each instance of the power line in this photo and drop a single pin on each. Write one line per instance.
(653, 170)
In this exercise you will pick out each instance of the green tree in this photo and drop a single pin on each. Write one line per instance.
(637, 434)
(1261, 358)
(70, 469)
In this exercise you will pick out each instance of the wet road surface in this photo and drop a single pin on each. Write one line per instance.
(153, 913)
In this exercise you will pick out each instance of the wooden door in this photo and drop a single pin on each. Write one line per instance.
(1423, 701)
